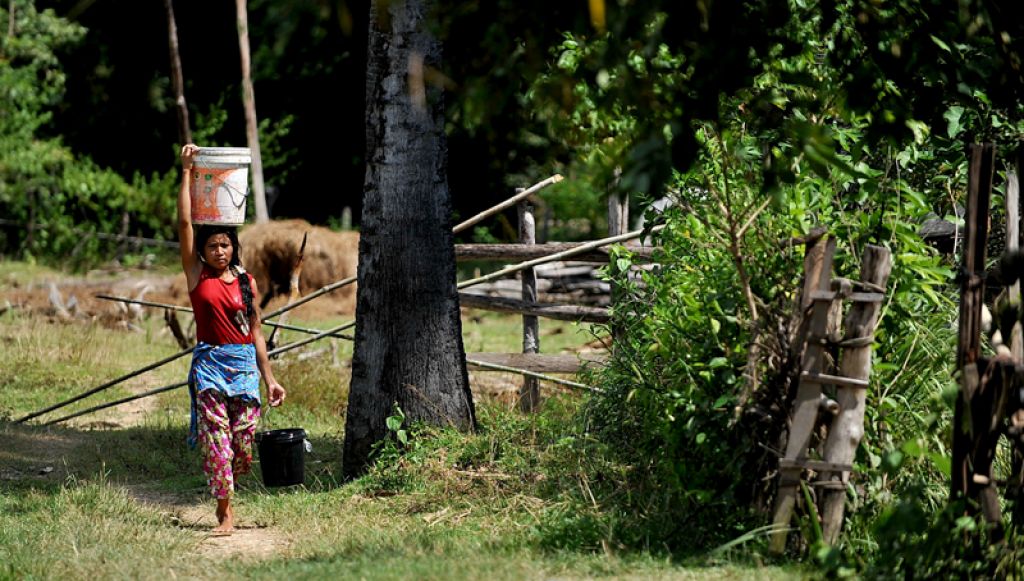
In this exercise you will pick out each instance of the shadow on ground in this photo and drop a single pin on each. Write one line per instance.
(155, 456)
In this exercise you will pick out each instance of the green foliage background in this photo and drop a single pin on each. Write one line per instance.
(849, 115)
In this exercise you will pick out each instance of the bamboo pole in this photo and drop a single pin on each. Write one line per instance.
(507, 203)
(171, 307)
(289, 347)
(557, 256)
(547, 310)
(496, 367)
(106, 385)
(278, 351)
(519, 252)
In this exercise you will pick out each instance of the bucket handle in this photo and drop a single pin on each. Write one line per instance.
(265, 420)
(231, 194)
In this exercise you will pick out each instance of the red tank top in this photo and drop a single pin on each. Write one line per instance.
(215, 304)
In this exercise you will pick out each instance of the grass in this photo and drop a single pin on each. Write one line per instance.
(484, 505)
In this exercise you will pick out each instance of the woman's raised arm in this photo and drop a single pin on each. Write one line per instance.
(186, 237)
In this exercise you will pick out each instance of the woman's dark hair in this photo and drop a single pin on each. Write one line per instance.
(204, 234)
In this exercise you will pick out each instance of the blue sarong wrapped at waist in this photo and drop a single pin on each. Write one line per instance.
(229, 368)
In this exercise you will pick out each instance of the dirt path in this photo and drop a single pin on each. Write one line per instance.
(196, 512)
(249, 540)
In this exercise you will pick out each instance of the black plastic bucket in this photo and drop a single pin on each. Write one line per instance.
(282, 456)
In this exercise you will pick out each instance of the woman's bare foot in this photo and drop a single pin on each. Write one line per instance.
(225, 517)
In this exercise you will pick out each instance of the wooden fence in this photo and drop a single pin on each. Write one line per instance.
(530, 363)
(529, 304)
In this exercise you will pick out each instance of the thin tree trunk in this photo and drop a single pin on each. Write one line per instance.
(408, 349)
(177, 79)
(251, 126)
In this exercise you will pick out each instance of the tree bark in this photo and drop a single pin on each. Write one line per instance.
(408, 348)
(251, 125)
(177, 78)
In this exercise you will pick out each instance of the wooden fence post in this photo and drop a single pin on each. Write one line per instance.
(972, 290)
(529, 393)
(618, 214)
(806, 404)
(855, 363)
(618, 222)
(1015, 484)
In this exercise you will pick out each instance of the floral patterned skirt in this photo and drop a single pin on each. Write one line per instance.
(227, 426)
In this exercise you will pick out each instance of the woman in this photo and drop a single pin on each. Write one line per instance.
(230, 354)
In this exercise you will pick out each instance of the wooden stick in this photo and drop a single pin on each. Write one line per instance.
(507, 203)
(548, 310)
(519, 252)
(103, 386)
(279, 350)
(541, 362)
(189, 310)
(556, 256)
(117, 402)
(496, 367)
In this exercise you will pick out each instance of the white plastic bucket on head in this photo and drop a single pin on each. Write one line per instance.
(220, 183)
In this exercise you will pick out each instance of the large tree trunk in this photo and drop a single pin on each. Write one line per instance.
(251, 124)
(408, 347)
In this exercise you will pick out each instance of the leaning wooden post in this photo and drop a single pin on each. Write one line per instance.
(972, 294)
(529, 393)
(855, 363)
(806, 405)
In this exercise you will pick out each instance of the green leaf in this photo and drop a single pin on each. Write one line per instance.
(941, 44)
(952, 117)
(393, 423)
(403, 437)
(701, 437)
(718, 362)
(942, 462)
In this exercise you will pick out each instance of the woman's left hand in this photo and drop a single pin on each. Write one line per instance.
(276, 392)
